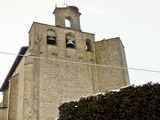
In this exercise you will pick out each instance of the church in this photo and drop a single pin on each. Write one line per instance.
(61, 63)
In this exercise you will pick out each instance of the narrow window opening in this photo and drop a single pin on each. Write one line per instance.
(67, 23)
(88, 45)
(51, 37)
(70, 43)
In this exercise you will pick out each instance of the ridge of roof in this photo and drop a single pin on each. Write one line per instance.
(13, 68)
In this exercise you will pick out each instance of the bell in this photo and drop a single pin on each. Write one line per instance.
(51, 38)
(70, 44)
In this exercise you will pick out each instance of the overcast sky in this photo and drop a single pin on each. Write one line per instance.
(136, 22)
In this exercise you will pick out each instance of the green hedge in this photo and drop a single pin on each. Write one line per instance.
(131, 103)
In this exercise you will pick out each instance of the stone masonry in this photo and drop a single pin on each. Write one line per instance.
(60, 64)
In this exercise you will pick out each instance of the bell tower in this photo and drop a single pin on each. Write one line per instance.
(61, 67)
(61, 64)
(70, 13)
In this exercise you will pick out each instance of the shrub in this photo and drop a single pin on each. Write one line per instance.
(134, 102)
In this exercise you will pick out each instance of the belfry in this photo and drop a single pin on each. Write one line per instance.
(61, 63)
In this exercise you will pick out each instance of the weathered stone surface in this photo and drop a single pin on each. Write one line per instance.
(53, 73)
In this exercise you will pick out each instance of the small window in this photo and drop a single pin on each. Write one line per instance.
(70, 43)
(51, 37)
(88, 45)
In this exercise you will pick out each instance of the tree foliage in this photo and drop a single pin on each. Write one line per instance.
(136, 103)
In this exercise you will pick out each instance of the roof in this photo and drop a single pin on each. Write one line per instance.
(13, 68)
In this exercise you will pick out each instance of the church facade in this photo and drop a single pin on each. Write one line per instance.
(60, 64)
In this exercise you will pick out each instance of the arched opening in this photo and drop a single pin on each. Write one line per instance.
(51, 37)
(67, 23)
(70, 42)
(88, 45)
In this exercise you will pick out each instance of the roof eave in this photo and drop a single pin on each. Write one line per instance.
(13, 68)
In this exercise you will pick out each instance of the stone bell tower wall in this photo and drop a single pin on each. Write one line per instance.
(70, 13)
(60, 64)
(64, 73)
(110, 57)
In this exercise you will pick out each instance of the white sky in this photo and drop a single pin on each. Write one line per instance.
(136, 22)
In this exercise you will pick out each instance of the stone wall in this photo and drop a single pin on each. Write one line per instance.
(13, 98)
(4, 106)
(3, 113)
(61, 73)
(110, 59)
(53, 74)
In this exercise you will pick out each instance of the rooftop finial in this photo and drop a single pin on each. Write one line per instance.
(65, 5)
